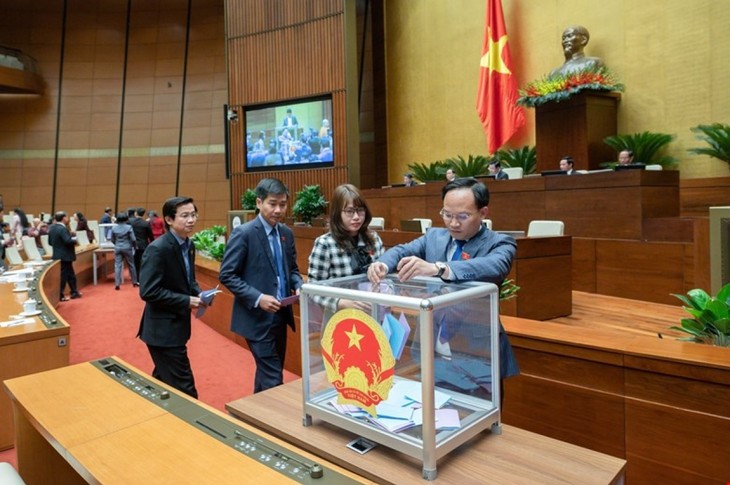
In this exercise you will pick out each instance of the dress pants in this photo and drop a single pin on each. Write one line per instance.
(119, 257)
(269, 353)
(172, 366)
(68, 276)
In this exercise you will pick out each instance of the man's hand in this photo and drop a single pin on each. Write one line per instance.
(194, 302)
(411, 266)
(269, 304)
(360, 305)
(376, 272)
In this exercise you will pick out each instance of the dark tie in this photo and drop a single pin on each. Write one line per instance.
(276, 252)
(457, 253)
(186, 256)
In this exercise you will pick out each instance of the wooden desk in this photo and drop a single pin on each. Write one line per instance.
(26, 349)
(77, 425)
(515, 456)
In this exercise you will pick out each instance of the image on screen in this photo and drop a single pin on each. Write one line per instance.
(292, 134)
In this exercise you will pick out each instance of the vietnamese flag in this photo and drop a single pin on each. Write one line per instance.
(497, 95)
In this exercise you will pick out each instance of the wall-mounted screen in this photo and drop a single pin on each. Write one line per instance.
(291, 134)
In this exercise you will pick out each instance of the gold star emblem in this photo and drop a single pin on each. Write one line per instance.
(354, 338)
(492, 59)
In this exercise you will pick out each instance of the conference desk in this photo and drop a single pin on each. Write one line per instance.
(515, 456)
(27, 348)
(82, 424)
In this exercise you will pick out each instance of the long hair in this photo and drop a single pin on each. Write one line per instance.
(23, 218)
(341, 197)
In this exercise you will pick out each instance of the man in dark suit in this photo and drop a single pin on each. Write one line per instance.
(495, 168)
(169, 288)
(567, 165)
(260, 268)
(64, 250)
(143, 235)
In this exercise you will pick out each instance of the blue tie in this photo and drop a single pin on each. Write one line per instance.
(186, 256)
(457, 254)
(276, 252)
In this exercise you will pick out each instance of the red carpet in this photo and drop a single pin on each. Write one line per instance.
(105, 321)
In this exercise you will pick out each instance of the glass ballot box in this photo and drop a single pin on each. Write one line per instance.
(415, 367)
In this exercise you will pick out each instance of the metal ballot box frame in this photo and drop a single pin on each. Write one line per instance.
(451, 354)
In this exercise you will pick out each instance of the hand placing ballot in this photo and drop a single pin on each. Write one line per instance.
(206, 300)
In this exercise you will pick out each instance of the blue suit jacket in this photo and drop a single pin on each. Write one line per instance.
(248, 271)
(490, 260)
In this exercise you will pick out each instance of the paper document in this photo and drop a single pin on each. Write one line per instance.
(206, 300)
(289, 300)
(12, 323)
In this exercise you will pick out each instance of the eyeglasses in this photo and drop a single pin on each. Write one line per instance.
(351, 212)
(461, 216)
(188, 215)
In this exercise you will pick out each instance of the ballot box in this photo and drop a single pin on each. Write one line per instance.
(413, 366)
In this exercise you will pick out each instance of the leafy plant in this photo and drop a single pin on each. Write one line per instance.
(248, 200)
(711, 317)
(525, 157)
(560, 87)
(646, 147)
(717, 135)
(429, 173)
(475, 165)
(310, 203)
(206, 241)
(508, 290)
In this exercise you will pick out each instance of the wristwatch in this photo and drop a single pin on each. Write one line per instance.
(441, 267)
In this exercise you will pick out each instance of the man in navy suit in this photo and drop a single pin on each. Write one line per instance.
(463, 251)
(168, 286)
(260, 268)
(64, 249)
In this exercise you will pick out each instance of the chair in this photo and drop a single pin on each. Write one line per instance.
(514, 172)
(46, 245)
(487, 223)
(31, 250)
(545, 228)
(425, 224)
(82, 239)
(654, 166)
(13, 256)
(377, 223)
(8, 475)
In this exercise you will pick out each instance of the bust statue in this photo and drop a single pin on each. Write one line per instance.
(575, 38)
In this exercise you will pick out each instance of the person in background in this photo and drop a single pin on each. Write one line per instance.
(19, 224)
(495, 168)
(348, 248)
(170, 290)
(64, 250)
(143, 234)
(157, 224)
(408, 180)
(106, 218)
(124, 243)
(450, 174)
(625, 157)
(324, 130)
(83, 225)
(260, 269)
(290, 121)
(566, 165)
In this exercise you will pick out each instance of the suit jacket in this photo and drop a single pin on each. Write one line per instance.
(142, 232)
(248, 271)
(501, 175)
(64, 247)
(165, 288)
(490, 260)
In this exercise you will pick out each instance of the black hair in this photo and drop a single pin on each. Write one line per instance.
(131, 211)
(496, 163)
(140, 211)
(122, 217)
(169, 208)
(478, 189)
(271, 186)
(58, 216)
(23, 218)
(569, 159)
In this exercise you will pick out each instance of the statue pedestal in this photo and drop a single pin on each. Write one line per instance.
(577, 127)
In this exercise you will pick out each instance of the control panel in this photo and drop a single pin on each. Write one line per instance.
(243, 440)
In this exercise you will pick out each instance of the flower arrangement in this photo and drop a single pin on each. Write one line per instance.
(561, 87)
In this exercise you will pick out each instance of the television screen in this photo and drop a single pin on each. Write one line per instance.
(290, 134)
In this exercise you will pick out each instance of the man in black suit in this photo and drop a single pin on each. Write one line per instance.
(567, 165)
(64, 249)
(260, 269)
(169, 288)
(495, 168)
(143, 235)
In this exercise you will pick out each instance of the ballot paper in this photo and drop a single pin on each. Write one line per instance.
(206, 300)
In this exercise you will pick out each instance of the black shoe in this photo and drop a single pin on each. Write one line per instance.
(116, 287)
(135, 284)
(76, 295)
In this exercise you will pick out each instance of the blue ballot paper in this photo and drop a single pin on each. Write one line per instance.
(397, 332)
(206, 300)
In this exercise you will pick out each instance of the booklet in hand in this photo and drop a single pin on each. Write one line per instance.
(206, 300)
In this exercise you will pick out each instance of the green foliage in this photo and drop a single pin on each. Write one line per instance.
(711, 317)
(525, 157)
(310, 203)
(206, 241)
(474, 166)
(717, 135)
(646, 147)
(508, 290)
(248, 200)
(429, 173)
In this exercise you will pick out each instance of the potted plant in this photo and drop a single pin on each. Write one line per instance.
(310, 203)
(472, 167)
(717, 136)
(429, 173)
(525, 157)
(207, 242)
(248, 200)
(646, 147)
(710, 322)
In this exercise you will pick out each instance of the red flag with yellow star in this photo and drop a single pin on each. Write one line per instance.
(497, 96)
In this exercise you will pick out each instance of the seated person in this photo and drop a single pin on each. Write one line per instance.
(625, 157)
(273, 158)
(325, 154)
(408, 180)
(567, 165)
(575, 38)
(495, 168)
